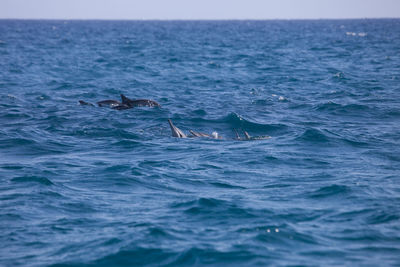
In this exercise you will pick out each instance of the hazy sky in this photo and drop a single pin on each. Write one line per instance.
(199, 9)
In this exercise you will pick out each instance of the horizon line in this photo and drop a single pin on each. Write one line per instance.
(198, 19)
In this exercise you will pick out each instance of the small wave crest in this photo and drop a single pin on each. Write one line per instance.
(237, 121)
(330, 191)
(314, 136)
(217, 208)
(343, 109)
(32, 179)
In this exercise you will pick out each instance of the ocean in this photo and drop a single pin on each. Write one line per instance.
(93, 186)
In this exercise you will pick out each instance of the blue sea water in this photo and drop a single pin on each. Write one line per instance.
(91, 186)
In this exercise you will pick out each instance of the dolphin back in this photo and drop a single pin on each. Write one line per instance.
(198, 134)
(139, 102)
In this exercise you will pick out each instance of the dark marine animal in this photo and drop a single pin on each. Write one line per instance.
(247, 137)
(176, 132)
(126, 103)
(138, 102)
(114, 104)
(83, 103)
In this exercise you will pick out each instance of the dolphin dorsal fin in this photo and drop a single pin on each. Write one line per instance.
(176, 132)
(237, 135)
(124, 99)
(246, 134)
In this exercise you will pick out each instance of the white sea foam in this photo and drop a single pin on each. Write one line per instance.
(215, 135)
(361, 34)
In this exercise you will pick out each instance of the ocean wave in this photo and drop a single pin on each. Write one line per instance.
(97, 132)
(344, 109)
(314, 136)
(212, 207)
(226, 185)
(32, 179)
(91, 186)
(148, 256)
(237, 121)
(128, 143)
(330, 191)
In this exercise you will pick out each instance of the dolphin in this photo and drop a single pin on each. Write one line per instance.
(108, 103)
(114, 104)
(248, 137)
(176, 132)
(125, 104)
(138, 102)
(197, 134)
(214, 135)
(83, 103)
(237, 135)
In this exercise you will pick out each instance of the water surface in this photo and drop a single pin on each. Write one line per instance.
(90, 186)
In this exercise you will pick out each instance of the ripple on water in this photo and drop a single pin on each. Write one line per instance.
(331, 191)
(93, 186)
(313, 136)
(345, 109)
(32, 179)
(218, 209)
